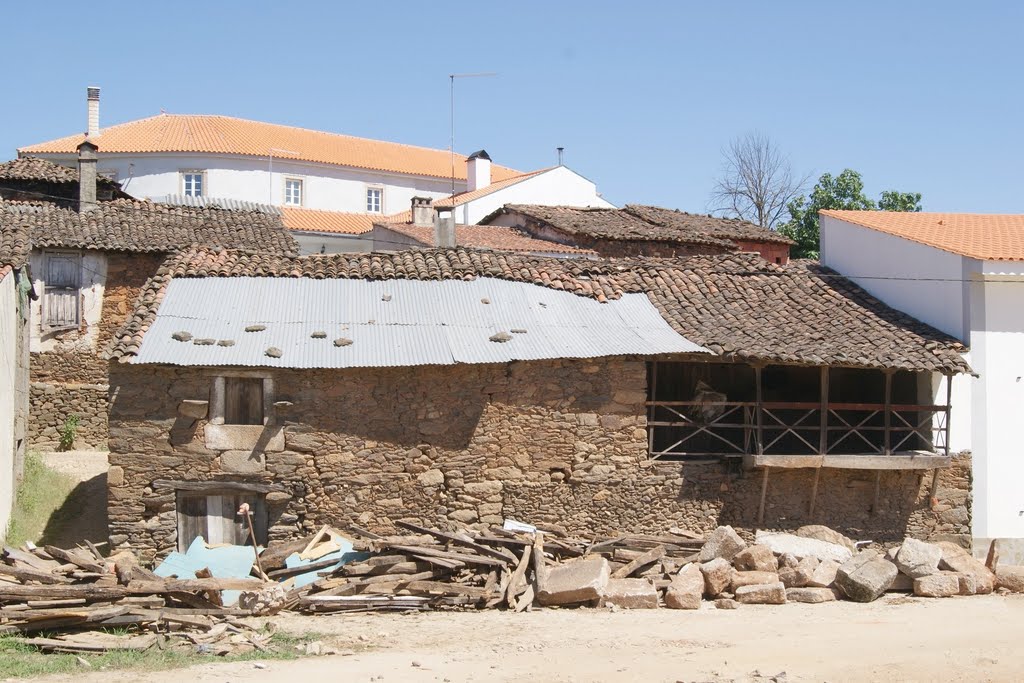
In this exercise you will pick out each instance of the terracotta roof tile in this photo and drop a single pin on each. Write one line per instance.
(712, 226)
(488, 237)
(990, 237)
(33, 169)
(314, 220)
(14, 246)
(207, 134)
(144, 226)
(738, 305)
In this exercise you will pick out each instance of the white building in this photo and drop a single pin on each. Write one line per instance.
(332, 186)
(963, 274)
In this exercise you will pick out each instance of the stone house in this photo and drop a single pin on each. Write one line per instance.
(89, 259)
(15, 294)
(464, 387)
(638, 230)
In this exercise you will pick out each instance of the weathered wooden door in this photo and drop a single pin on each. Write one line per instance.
(213, 515)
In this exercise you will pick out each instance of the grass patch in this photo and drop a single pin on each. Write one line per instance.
(41, 493)
(18, 660)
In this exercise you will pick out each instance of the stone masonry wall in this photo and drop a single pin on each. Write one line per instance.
(72, 378)
(560, 443)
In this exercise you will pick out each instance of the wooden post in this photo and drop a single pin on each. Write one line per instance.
(764, 492)
(878, 488)
(934, 489)
(949, 410)
(652, 412)
(823, 444)
(888, 414)
(814, 491)
(759, 419)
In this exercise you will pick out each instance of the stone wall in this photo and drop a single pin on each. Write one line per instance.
(72, 376)
(560, 443)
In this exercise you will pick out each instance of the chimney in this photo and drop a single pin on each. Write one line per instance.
(444, 228)
(422, 211)
(92, 98)
(478, 171)
(87, 176)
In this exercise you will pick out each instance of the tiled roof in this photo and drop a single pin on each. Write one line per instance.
(205, 134)
(143, 226)
(487, 237)
(990, 237)
(724, 228)
(14, 246)
(33, 169)
(466, 197)
(609, 224)
(314, 220)
(737, 305)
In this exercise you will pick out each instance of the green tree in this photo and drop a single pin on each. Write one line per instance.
(844, 192)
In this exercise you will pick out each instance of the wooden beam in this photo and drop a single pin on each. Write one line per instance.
(182, 485)
(764, 492)
(814, 492)
(949, 409)
(878, 491)
(888, 413)
(652, 555)
(759, 401)
(823, 433)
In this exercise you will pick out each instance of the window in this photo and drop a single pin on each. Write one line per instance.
(293, 191)
(243, 401)
(192, 183)
(214, 516)
(61, 294)
(374, 199)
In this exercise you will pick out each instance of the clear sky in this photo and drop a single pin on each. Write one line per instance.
(917, 96)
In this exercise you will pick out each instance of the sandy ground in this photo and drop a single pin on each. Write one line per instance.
(895, 639)
(84, 512)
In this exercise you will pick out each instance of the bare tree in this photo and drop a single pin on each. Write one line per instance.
(757, 182)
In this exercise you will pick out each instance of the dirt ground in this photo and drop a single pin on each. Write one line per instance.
(83, 514)
(895, 639)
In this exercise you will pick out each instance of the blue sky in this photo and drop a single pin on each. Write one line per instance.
(917, 96)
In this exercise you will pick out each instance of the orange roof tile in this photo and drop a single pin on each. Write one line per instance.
(990, 237)
(228, 135)
(464, 197)
(313, 220)
(489, 237)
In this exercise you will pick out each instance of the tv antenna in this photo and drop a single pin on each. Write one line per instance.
(451, 95)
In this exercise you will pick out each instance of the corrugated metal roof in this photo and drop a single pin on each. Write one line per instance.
(396, 323)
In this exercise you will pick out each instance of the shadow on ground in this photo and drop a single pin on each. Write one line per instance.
(83, 516)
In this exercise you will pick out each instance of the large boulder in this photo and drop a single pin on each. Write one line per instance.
(575, 582)
(823, 533)
(1010, 578)
(803, 547)
(810, 595)
(756, 558)
(865, 576)
(630, 594)
(717, 576)
(800, 575)
(740, 579)
(916, 558)
(939, 585)
(686, 589)
(824, 575)
(960, 560)
(762, 594)
(723, 542)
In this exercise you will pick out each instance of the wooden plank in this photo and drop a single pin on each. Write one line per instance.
(540, 571)
(440, 561)
(652, 555)
(517, 582)
(80, 559)
(30, 559)
(191, 585)
(525, 600)
(887, 462)
(183, 485)
(502, 555)
(25, 574)
(448, 555)
(12, 593)
(312, 566)
(447, 588)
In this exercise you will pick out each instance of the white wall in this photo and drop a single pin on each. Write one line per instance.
(92, 278)
(559, 186)
(325, 187)
(327, 243)
(9, 332)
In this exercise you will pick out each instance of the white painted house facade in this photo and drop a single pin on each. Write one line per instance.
(963, 274)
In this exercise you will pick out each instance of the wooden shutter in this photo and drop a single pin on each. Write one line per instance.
(243, 401)
(191, 519)
(62, 290)
(214, 517)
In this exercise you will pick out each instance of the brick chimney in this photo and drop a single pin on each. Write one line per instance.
(87, 158)
(478, 171)
(422, 211)
(444, 228)
(92, 98)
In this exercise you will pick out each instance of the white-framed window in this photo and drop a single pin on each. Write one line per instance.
(375, 199)
(193, 183)
(293, 191)
(62, 290)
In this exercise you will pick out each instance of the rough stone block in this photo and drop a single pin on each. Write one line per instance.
(726, 603)
(824, 575)
(803, 547)
(115, 475)
(270, 438)
(901, 584)
(723, 542)
(1010, 578)
(243, 462)
(630, 594)
(800, 575)
(762, 594)
(431, 478)
(865, 576)
(810, 595)
(758, 558)
(717, 576)
(968, 583)
(824, 533)
(917, 558)
(958, 559)
(740, 579)
(686, 588)
(194, 409)
(939, 585)
(575, 582)
(787, 560)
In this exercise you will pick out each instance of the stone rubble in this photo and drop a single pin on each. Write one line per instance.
(866, 576)
(916, 558)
